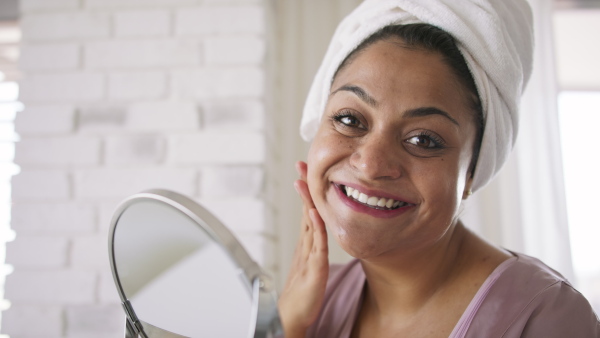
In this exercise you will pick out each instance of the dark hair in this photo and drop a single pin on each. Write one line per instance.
(433, 39)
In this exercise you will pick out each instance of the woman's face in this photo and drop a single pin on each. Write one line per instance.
(398, 129)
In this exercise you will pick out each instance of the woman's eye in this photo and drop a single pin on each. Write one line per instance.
(350, 121)
(347, 120)
(423, 141)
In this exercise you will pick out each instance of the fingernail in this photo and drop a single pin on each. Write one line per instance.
(296, 187)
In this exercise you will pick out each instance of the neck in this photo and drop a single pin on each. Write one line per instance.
(405, 282)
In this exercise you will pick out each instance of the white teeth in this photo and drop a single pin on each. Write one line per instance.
(372, 200)
(349, 191)
(389, 203)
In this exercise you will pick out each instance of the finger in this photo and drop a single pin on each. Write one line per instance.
(306, 239)
(302, 169)
(302, 189)
(320, 246)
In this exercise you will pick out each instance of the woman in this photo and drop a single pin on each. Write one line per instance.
(413, 108)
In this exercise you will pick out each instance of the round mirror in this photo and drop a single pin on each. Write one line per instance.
(180, 272)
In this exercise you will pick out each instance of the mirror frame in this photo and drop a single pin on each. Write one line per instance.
(264, 320)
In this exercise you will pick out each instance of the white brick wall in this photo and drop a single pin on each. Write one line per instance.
(65, 25)
(161, 116)
(51, 287)
(244, 82)
(117, 54)
(58, 151)
(143, 23)
(243, 115)
(122, 96)
(230, 181)
(38, 252)
(94, 321)
(45, 119)
(53, 56)
(28, 6)
(222, 147)
(137, 85)
(235, 50)
(52, 219)
(63, 87)
(134, 150)
(114, 183)
(19, 321)
(230, 19)
(48, 185)
(120, 4)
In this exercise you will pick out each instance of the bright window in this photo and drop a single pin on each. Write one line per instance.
(579, 120)
(9, 106)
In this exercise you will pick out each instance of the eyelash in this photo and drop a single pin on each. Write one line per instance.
(437, 142)
(337, 117)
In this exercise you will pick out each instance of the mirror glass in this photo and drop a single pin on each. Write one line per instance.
(176, 276)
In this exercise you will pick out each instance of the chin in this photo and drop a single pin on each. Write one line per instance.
(357, 243)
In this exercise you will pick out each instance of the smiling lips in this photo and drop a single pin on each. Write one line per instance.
(380, 203)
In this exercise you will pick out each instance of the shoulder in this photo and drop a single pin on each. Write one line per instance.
(559, 311)
(531, 299)
(341, 302)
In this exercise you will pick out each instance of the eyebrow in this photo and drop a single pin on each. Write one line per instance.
(417, 112)
(426, 111)
(364, 96)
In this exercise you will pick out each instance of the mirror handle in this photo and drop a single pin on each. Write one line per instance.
(129, 331)
(133, 325)
(264, 318)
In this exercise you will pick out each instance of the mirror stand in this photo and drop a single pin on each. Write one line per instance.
(264, 314)
(129, 331)
(181, 273)
(264, 309)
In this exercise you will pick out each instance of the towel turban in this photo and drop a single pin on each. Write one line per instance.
(495, 38)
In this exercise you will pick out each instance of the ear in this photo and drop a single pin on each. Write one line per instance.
(468, 192)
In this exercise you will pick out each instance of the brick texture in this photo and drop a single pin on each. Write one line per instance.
(116, 54)
(230, 19)
(244, 82)
(65, 25)
(38, 252)
(217, 148)
(137, 85)
(142, 23)
(122, 96)
(17, 321)
(161, 116)
(58, 151)
(59, 56)
(29, 6)
(62, 218)
(45, 119)
(63, 87)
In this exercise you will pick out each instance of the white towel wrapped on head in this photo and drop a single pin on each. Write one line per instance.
(495, 38)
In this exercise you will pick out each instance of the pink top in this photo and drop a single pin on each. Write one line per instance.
(522, 297)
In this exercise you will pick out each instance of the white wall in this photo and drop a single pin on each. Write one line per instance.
(122, 96)
(304, 29)
(577, 48)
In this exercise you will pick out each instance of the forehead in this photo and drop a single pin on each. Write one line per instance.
(395, 74)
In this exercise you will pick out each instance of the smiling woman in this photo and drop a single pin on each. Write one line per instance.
(389, 151)
(410, 112)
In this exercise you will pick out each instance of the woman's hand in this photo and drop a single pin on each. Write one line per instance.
(303, 294)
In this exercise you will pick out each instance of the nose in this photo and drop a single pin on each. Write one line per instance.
(377, 157)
